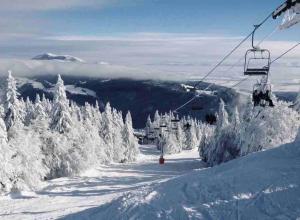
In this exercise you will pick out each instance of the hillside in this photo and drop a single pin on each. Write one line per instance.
(140, 97)
(263, 185)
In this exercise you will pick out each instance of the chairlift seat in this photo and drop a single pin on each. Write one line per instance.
(256, 71)
(197, 108)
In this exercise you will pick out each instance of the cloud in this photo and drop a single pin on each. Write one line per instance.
(143, 37)
(147, 56)
(31, 68)
(43, 5)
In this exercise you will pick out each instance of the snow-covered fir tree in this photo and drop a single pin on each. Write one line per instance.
(61, 118)
(130, 145)
(259, 128)
(222, 119)
(49, 139)
(13, 111)
(191, 137)
(297, 102)
(107, 131)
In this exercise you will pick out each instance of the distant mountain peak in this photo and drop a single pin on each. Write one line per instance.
(51, 56)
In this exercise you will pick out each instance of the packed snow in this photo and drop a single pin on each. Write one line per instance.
(64, 196)
(61, 160)
(263, 185)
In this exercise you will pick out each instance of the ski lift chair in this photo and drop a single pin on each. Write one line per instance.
(174, 122)
(262, 93)
(257, 62)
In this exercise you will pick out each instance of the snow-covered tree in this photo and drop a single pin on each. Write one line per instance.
(261, 128)
(191, 138)
(297, 102)
(167, 143)
(148, 127)
(50, 139)
(236, 118)
(222, 120)
(118, 148)
(107, 131)
(61, 118)
(129, 141)
(268, 128)
(40, 111)
(12, 107)
(181, 137)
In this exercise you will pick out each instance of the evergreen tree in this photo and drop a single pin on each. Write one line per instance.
(191, 138)
(129, 141)
(29, 111)
(236, 118)
(181, 138)
(297, 102)
(107, 131)
(118, 147)
(148, 128)
(61, 118)
(222, 121)
(12, 107)
(39, 108)
(6, 168)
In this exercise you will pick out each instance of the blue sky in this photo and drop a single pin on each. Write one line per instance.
(232, 17)
(104, 17)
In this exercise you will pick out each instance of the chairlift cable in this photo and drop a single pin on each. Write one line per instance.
(229, 54)
(234, 49)
(259, 43)
(286, 52)
(180, 107)
(211, 84)
(279, 57)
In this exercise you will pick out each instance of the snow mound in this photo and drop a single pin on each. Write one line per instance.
(50, 56)
(263, 185)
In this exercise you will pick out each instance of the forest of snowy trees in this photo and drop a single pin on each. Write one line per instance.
(173, 134)
(237, 133)
(47, 139)
(250, 130)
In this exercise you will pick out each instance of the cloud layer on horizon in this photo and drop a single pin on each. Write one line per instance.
(146, 56)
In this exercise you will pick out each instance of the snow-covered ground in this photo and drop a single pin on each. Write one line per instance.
(64, 196)
(263, 185)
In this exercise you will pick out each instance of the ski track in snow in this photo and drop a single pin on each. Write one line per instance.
(64, 196)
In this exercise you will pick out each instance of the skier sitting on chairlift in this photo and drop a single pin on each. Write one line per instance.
(262, 94)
